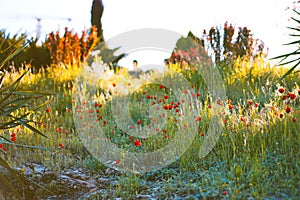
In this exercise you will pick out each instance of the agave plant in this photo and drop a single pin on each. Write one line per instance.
(295, 55)
(12, 101)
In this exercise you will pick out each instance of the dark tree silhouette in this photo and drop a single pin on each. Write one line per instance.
(96, 15)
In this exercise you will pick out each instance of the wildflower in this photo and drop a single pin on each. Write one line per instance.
(242, 118)
(198, 119)
(202, 134)
(292, 95)
(250, 102)
(281, 115)
(0, 145)
(118, 161)
(185, 91)
(161, 86)
(294, 119)
(230, 106)
(288, 109)
(198, 94)
(281, 90)
(225, 192)
(137, 143)
(166, 97)
(61, 145)
(48, 110)
(164, 130)
(139, 122)
(114, 85)
(256, 105)
(298, 92)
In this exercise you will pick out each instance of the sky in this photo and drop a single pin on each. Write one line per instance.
(266, 18)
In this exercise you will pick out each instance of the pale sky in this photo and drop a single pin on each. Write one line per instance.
(266, 18)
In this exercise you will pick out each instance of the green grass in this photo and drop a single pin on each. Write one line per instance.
(257, 154)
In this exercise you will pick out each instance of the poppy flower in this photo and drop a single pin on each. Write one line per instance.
(281, 90)
(294, 119)
(288, 109)
(48, 110)
(292, 95)
(137, 143)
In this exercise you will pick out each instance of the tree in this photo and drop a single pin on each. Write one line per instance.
(96, 15)
(220, 43)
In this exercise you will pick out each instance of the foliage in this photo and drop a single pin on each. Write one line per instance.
(221, 46)
(31, 54)
(70, 49)
(13, 114)
(294, 56)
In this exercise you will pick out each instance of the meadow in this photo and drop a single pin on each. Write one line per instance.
(51, 119)
(256, 156)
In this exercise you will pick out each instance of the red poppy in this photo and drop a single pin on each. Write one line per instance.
(281, 90)
(137, 143)
(288, 109)
(198, 119)
(48, 110)
(294, 119)
(281, 115)
(166, 97)
(292, 95)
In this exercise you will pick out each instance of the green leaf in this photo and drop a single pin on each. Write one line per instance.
(296, 20)
(31, 128)
(293, 28)
(288, 62)
(295, 42)
(33, 93)
(13, 53)
(22, 101)
(289, 71)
